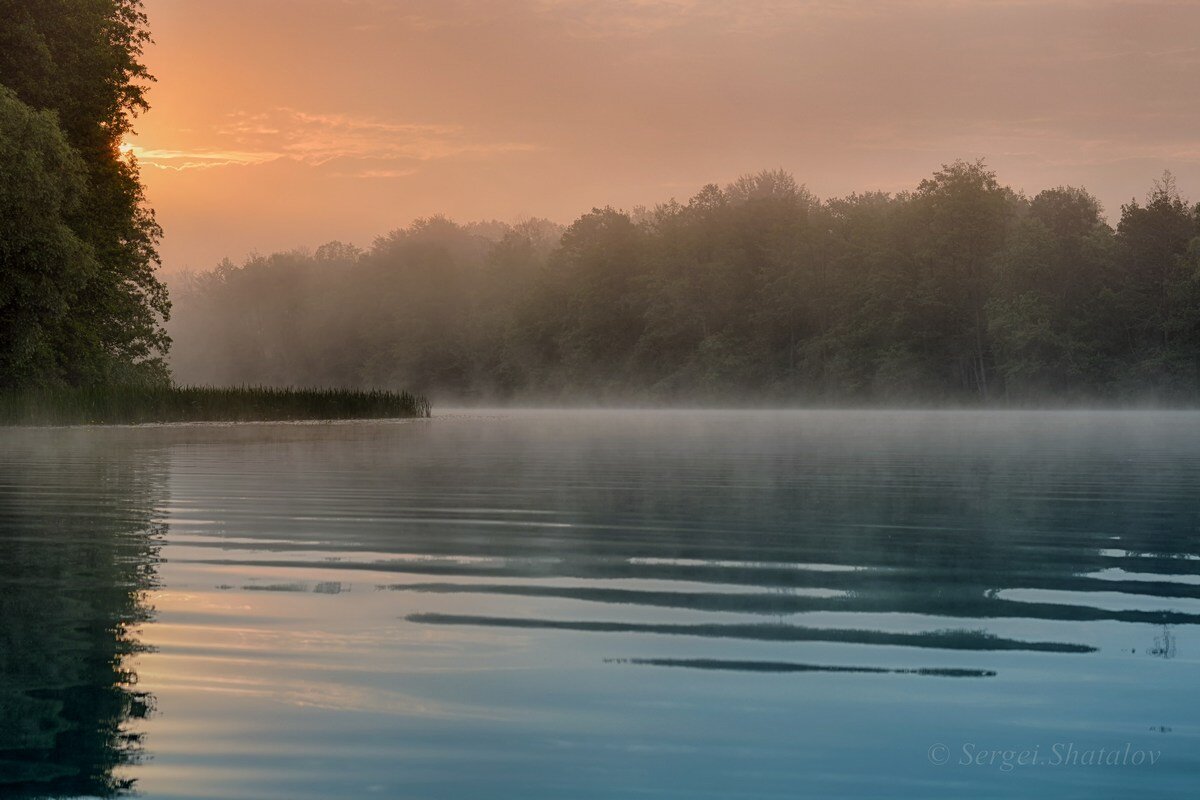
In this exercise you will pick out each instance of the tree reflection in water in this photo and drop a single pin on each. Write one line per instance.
(79, 543)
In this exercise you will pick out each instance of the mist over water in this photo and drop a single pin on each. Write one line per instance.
(602, 603)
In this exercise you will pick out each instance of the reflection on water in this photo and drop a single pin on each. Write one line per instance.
(600, 604)
(78, 546)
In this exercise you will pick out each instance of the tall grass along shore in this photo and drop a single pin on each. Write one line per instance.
(127, 405)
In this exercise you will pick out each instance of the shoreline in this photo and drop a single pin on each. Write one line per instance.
(142, 405)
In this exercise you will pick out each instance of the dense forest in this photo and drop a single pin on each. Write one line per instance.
(80, 304)
(960, 291)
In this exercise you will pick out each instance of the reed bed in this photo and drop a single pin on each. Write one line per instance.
(131, 405)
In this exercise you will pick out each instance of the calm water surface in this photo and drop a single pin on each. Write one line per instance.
(605, 605)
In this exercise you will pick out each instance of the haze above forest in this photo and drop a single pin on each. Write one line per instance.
(285, 123)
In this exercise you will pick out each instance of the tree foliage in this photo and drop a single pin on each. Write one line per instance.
(80, 60)
(42, 258)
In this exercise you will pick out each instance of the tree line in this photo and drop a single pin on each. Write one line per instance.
(80, 304)
(959, 291)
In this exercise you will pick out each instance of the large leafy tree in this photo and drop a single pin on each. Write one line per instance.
(81, 60)
(43, 261)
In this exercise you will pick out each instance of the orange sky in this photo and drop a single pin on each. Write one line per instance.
(284, 123)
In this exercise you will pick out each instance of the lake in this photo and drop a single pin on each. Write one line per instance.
(604, 604)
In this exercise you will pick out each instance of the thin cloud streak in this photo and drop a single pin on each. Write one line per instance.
(316, 139)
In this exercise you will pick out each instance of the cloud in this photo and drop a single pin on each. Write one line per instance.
(377, 173)
(312, 139)
(601, 19)
(595, 18)
(181, 160)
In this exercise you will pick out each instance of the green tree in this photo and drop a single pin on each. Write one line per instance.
(1051, 314)
(81, 59)
(858, 350)
(43, 261)
(597, 273)
(961, 216)
(1159, 288)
